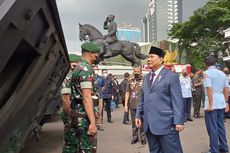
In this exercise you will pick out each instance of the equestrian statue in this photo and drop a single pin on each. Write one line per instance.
(110, 45)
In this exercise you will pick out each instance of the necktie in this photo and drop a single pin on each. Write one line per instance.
(152, 78)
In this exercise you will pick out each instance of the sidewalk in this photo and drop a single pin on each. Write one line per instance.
(116, 137)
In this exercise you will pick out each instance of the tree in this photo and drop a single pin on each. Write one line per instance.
(200, 36)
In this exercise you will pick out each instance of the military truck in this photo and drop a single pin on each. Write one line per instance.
(33, 64)
(53, 109)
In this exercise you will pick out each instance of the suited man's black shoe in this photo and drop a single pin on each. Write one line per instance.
(143, 142)
(110, 121)
(126, 122)
(134, 141)
(223, 151)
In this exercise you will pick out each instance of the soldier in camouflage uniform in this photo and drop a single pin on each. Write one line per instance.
(65, 95)
(199, 90)
(81, 134)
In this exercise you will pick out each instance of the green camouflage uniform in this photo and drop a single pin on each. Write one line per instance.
(76, 139)
(68, 129)
(199, 92)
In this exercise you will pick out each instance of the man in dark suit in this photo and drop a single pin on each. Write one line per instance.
(161, 106)
(123, 86)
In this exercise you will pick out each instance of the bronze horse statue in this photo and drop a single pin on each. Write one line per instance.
(129, 50)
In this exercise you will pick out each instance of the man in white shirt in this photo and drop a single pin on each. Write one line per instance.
(186, 89)
(216, 96)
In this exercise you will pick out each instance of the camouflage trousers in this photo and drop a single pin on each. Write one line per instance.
(76, 139)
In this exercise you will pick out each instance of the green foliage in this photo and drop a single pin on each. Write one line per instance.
(199, 35)
(198, 60)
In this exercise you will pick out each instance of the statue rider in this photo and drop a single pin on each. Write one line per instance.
(111, 26)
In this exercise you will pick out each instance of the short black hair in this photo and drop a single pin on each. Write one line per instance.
(210, 60)
(126, 75)
(110, 75)
(83, 51)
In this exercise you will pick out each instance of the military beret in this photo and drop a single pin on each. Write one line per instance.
(157, 51)
(219, 65)
(74, 58)
(90, 47)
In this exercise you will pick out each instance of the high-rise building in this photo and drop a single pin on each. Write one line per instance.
(160, 18)
(128, 32)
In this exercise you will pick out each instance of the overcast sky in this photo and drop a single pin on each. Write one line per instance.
(94, 12)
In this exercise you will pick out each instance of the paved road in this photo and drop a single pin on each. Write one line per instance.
(116, 137)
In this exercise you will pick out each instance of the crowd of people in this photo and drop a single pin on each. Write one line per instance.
(156, 104)
(193, 91)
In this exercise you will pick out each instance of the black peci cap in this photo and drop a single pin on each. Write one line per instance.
(157, 51)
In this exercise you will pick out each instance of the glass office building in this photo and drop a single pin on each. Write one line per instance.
(128, 32)
(160, 18)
